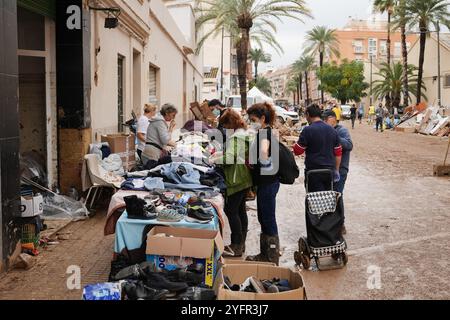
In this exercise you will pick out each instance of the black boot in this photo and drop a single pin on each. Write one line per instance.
(137, 208)
(139, 291)
(263, 246)
(159, 281)
(273, 249)
(133, 272)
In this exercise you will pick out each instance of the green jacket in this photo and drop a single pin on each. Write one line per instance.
(237, 175)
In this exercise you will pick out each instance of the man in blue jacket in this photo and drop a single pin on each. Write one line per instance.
(346, 142)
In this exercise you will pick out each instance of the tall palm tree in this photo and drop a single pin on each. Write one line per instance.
(322, 41)
(303, 66)
(424, 14)
(244, 15)
(391, 82)
(257, 56)
(383, 6)
(294, 85)
(400, 23)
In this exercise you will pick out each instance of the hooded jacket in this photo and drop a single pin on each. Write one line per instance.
(158, 131)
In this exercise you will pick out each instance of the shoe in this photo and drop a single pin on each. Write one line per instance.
(139, 291)
(233, 251)
(196, 203)
(199, 216)
(135, 207)
(273, 249)
(157, 280)
(197, 293)
(179, 208)
(257, 285)
(262, 256)
(191, 278)
(120, 263)
(170, 215)
(133, 272)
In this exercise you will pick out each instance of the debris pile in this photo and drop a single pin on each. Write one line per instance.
(423, 119)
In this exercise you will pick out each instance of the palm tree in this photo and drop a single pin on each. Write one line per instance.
(383, 6)
(424, 14)
(262, 84)
(243, 15)
(294, 86)
(303, 66)
(392, 82)
(257, 56)
(400, 23)
(322, 41)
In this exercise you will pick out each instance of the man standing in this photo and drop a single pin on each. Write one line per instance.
(380, 116)
(320, 143)
(347, 146)
(337, 111)
(360, 113)
(371, 114)
(143, 123)
(353, 110)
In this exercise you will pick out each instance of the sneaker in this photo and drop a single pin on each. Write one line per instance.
(196, 203)
(199, 216)
(170, 215)
(159, 281)
(179, 208)
(257, 285)
(139, 291)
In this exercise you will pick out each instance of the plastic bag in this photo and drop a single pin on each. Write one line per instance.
(57, 207)
(113, 164)
(32, 168)
(103, 292)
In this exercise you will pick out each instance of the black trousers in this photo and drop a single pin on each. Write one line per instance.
(353, 122)
(236, 211)
(380, 123)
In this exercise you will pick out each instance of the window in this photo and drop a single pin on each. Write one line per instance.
(383, 47)
(373, 48)
(447, 81)
(120, 91)
(152, 86)
(358, 46)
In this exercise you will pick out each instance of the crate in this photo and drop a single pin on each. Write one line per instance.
(30, 236)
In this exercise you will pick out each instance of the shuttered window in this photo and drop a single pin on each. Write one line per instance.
(43, 7)
(152, 85)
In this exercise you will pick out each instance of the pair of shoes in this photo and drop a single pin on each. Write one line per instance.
(139, 291)
(197, 203)
(169, 215)
(134, 272)
(233, 250)
(136, 208)
(157, 280)
(199, 216)
(179, 208)
(276, 285)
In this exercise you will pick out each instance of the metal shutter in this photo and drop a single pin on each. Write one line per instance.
(43, 7)
(152, 94)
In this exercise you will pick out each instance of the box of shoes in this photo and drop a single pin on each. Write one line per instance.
(238, 274)
(169, 248)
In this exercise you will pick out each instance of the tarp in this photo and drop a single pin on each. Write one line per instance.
(259, 96)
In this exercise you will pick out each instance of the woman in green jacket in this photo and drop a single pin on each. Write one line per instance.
(238, 179)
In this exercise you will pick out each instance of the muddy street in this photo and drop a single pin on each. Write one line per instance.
(397, 219)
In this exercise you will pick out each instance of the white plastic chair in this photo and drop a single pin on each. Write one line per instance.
(96, 172)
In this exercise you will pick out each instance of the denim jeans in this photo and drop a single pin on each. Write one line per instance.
(266, 196)
(339, 187)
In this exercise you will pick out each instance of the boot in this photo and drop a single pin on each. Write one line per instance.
(273, 249)
(263, 246)
(233, 250)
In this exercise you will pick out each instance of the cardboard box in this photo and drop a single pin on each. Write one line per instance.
(228, 261)
(31, 206)
(202, 246)
(125, 146)
(238, 273)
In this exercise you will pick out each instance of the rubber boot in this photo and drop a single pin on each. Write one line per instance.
(273, 249)
(263, 246)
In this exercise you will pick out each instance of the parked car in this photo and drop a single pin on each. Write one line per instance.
(284, 115)
(346, 112)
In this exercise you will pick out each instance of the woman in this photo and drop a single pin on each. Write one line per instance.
(262, 117)
(238, 180)
(149, 113)
(159, 134)
(360, 113)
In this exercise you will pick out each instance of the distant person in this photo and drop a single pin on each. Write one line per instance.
(143, 122)
(353, 111)
(371, 115)
(347, 146)
(337, 111)
(216, 107)
(360, 113)
(379, 113)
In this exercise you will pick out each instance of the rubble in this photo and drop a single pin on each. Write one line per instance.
(426, 120)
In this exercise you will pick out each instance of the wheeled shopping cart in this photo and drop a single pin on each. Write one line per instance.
(324, 223)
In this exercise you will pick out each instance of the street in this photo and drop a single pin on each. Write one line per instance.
(397, 219)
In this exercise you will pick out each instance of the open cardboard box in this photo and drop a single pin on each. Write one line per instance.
(206, 246)
(228, 261)
(238, 273)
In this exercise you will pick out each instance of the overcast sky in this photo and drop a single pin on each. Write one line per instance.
(330, 13)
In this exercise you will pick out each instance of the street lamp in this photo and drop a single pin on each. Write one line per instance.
(221, 65)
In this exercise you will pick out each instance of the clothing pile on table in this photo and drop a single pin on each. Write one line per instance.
(180, 192)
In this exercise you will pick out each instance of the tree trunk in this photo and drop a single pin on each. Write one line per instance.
(423, 42)
(300, 80)
(242, 56)
(321, 90)
(405, 63)
(307, 88)
(256, 71)
(388, 47)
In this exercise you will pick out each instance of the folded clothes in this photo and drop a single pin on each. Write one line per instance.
(153, 183)
(133, 184)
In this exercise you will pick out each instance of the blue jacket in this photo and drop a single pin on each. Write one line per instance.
(347, 146)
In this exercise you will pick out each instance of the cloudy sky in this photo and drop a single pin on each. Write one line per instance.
(330, 13)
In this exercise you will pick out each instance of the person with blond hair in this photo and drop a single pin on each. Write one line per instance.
(143, 123)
